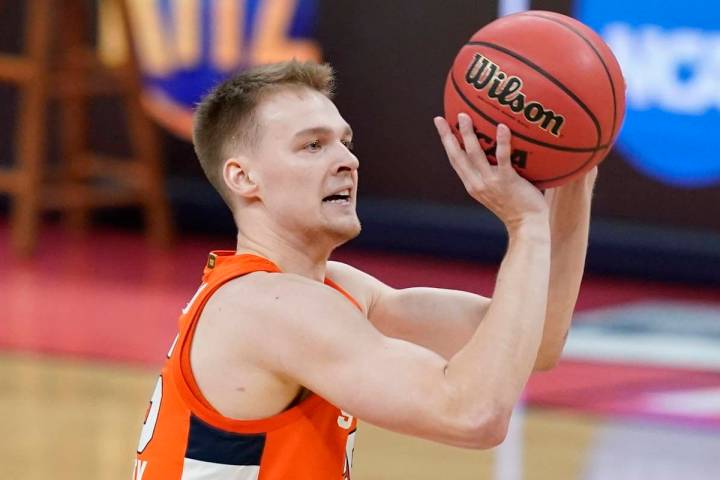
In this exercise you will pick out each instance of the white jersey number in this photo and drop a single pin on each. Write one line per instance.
(349, 451)
(151, 417)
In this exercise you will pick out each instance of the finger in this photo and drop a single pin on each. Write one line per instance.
(592, 175)
(456, 155)
(448, 139)
(472, 146)
(502, 150)
(454, 151)
(446, 135)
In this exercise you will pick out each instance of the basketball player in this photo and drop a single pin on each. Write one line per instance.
(280, 350)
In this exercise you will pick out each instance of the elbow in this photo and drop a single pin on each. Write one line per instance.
(546, 362)
(489, 430)
(549, 356)
(492, 434)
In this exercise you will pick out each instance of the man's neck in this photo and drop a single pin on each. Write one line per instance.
(304, 260)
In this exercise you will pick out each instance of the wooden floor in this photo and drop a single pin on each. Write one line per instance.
(79, 420)
(69, 419)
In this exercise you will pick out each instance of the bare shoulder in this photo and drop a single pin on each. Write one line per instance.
(245, 310)
(343, 269)
(365, 288)
(261, 293)
(277, 304)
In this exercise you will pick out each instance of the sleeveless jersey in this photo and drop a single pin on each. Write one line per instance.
(185, 438)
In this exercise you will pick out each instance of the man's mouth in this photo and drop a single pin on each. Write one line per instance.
(340, 197)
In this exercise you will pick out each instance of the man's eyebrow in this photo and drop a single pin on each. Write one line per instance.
(323, 131)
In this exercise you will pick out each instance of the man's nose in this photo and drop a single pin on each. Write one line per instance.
(348, 162)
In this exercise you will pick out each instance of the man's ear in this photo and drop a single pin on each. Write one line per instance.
(239, 178)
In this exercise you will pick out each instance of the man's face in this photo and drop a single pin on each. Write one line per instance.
(304, 167)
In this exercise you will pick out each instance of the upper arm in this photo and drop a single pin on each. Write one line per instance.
(310, 334)
(439, 319)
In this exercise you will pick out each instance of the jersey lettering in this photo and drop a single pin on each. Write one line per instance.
(172, 347)
(139, 470)
(192, 300)
(344, 420)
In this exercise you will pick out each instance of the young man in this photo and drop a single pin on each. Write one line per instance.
(280, 350)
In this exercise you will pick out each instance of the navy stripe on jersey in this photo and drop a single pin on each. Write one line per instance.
(211, 444)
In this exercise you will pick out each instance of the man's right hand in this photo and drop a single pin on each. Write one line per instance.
(499, 187)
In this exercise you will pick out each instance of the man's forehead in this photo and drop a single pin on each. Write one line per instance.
(297, 110)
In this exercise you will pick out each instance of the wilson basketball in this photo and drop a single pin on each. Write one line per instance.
(552, 80)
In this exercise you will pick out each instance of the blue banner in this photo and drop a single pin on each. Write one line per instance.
(185, 47)
(670, 55)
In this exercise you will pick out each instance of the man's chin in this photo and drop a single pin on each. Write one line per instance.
(346, 232)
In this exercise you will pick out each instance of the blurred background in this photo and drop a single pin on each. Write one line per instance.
(106, 221)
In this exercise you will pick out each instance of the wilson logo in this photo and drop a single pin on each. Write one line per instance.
(507, 91)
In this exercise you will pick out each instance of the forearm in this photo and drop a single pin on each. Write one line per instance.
(569, 228)
(497, 361)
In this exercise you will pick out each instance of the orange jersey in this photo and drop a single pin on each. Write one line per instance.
(185, 438)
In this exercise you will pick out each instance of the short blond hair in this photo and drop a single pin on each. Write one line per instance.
(225, 118)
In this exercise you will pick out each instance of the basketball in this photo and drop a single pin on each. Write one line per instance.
(552, 80)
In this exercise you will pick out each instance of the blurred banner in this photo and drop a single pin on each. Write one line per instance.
(670, 55)
(186, 46)
(657, 201)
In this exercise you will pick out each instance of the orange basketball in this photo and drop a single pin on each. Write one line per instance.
(552, 80)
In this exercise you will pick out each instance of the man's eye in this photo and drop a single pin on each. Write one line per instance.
(349, 145)
(313, 146)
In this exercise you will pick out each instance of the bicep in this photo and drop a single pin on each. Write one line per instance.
(439, 319)
(388, 382)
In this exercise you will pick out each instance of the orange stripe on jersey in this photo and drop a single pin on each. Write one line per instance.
(185, 438)
(345, 294)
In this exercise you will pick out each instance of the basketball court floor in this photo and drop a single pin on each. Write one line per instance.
(86, 324)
